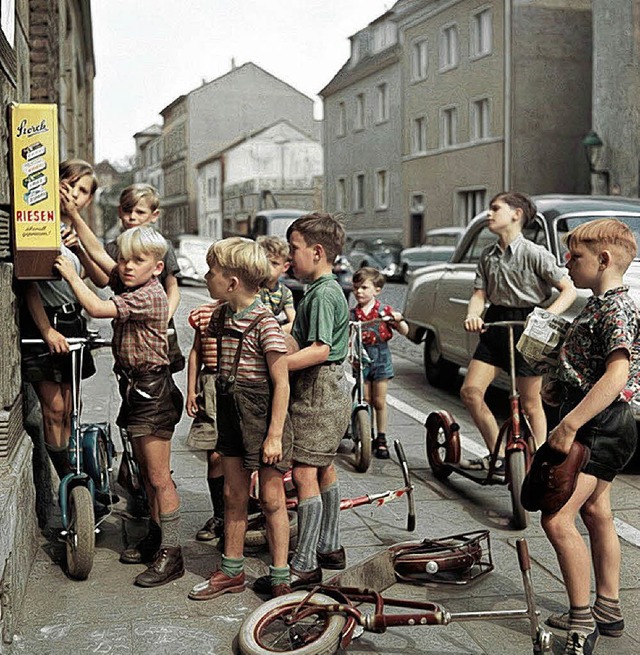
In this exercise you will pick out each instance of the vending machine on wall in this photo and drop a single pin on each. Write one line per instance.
(35, 190)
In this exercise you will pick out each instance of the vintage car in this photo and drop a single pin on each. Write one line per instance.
(383, 254)
(438, 246)
(191, 253)
(437, 296)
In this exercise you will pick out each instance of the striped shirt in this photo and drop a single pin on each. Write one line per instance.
(199, 320)
(140, 328)
(265, 337)
(278, 300)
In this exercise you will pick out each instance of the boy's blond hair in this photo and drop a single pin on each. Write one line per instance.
(274, 247)
(71, 170)
(323, 229)
(242, 258)
(142, 240)
(369, 273)
(606, 234)
(132, 195)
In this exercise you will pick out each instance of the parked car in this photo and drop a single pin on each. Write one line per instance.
(274, 222)
(383, 254)
(341, 269)
(438, 246)
(437, 297)
(191, 252)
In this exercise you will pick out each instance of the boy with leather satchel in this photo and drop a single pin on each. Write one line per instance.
(598, 373)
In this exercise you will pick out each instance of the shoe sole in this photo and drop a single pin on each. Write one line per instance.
(603, 628)
(333, 567)
(226, 590)
(147, 585)
(205, 537)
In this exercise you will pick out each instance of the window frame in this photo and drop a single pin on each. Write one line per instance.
(449, 49)
(449, 119)
(341, 194)
(419, 63)
(360, 112)
(382, 190)
(359, 189)
(341, 129)
(418, 135)
(481, 119)
(478, 34)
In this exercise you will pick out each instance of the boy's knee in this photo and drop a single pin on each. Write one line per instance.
(471, 396)
(593, 515)
(531, 405)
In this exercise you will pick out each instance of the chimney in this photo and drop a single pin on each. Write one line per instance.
(233, 63)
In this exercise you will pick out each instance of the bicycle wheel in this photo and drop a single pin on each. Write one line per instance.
(265, 630)
(516, 470)
(362, 439)
(81, 537)
(95, 457)
(256, 535)
(443, 443)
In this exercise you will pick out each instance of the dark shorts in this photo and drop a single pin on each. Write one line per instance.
(493, 347)
(203, 434)
(611, 435)
(380, 366)
(243, 413)
(38, 364)
(176, 358)
(151, 404)
(320, 410)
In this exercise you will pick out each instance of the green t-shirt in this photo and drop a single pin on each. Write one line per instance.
(323, 315)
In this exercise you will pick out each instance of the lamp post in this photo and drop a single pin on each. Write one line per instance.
(592, 147)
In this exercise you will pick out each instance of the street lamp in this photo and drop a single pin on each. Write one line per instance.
(592, 147)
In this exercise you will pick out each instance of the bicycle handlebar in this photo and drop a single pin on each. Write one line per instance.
(381, 319)
(74, 342)
(505, 324)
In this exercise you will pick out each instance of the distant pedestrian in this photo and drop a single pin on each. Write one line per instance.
(367, 285)
(275, 294)
(599, 374)
(151, 403)
(514, 275)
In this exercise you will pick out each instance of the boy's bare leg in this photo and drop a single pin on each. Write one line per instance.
(479, 376)
(530, 389)
(273, 502)
(379, 403)
(236, 497)
(55, 400)
(305, 478)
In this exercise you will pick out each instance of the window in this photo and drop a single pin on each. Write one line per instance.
(383, 103)
(341, 194)
(449, 47)
(342, 119)
(383, 36)
(419, 60)
(212, 187)
(359, 111)
(470, 203)
(419, 135)
(481, 37)
(448, 136)
(479, 119)
(358, 192)
(382, 190)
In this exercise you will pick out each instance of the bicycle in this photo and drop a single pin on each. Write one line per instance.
(444, 451)
(91, 453)
(361, 411)
(327, 618)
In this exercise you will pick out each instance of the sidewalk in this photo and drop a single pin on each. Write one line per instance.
(107, 614)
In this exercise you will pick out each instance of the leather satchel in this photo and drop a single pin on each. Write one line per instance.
(552, 477)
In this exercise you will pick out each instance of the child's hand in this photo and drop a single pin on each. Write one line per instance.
(473, 324)
(56, 342)
(70, 239)
(67, 204)
(397, 317)
(561, 438)
(64, 266)
(272, 448)
(550, 393)
(191, 404)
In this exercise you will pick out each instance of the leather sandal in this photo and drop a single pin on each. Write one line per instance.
(380, 449)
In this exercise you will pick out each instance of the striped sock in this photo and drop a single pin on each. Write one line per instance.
(232, 567)
(581, 620)
(330, 525)
(309, 519)
(170, 526)
(607, 610)
(279, 575)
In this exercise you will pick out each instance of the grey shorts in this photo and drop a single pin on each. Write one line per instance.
(203, 434)
(320, 411)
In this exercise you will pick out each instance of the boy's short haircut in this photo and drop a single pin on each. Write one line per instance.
(242, 258)
(369, 273)
(517, 200)
(606, 234)
(320, 228)
(142, 240)
(274, 247)
(134, 193)
(72, 170)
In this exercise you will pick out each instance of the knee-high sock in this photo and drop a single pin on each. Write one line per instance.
(309, 518)
(170, 526)
(330, 524)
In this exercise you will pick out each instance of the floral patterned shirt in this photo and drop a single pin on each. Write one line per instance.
(377, 332)
(607, 323)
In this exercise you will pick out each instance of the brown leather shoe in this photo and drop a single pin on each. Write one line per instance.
(336, 560)
(219, 583)
(167, 566)
(300, 579)
(145, 550)
(280, 589)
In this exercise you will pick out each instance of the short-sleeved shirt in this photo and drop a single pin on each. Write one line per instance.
(58, 292)
(607, 323)
(199, 319)
(170, 260)
(264, 338)
(278, 300)
(140, 328)
(377, 332)
(323, 316)
(523, 275)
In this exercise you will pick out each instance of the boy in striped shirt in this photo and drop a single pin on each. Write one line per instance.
(274, 294)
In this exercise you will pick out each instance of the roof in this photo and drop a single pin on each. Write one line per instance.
(556, 204)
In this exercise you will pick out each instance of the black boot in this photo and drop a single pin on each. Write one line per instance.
(167, 566)
(146, 549)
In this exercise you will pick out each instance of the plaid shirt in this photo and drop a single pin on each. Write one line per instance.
(140, 329)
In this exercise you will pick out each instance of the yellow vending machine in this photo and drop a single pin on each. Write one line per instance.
(36, 199)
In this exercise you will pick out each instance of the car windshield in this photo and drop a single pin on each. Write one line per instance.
(279, 225)
(441, 239)
(565, 224)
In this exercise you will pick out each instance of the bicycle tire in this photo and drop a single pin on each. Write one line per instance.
(81, 537)
(442, 443)
(362, 439)
(256, 535)
(516, 470)
(95, 457)
(264, 630)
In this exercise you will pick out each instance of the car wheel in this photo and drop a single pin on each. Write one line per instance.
(439, 372)
(405, 274)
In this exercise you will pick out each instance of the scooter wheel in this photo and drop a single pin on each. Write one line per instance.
(443, 443)
(362, 439)
(81, 536)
